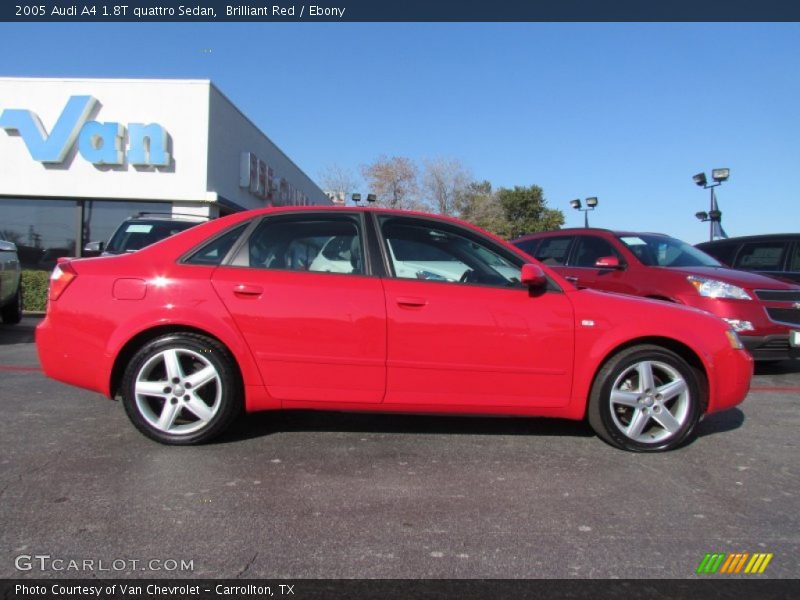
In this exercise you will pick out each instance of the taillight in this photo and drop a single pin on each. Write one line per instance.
(60, 278)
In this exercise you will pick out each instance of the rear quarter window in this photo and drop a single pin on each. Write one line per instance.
(763, 256)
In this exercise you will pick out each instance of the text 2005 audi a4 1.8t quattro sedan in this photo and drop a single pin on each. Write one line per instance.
(376, 310)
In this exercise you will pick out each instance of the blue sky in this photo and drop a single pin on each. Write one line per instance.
(625, 112)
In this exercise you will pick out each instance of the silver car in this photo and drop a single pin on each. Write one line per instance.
(10, 287)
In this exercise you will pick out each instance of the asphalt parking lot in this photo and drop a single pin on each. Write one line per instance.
(327, 495)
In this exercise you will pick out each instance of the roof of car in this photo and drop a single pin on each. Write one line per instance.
(752, 238)
(156, 216)
(552, 232)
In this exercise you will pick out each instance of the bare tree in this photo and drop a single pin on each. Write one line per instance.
(339, 181)
(393, 181)
(444, 181)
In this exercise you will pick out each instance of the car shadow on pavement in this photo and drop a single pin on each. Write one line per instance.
(266, 423)
(777, 368)
(720, 422)
(21, 333)
(261, 424)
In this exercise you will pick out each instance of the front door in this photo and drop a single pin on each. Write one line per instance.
(462, 330)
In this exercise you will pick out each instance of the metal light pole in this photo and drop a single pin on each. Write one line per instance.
(714, 215)
(591, 203)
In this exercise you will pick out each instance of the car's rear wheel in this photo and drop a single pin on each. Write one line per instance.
(12, 312)
(646, 399)
(182, 389)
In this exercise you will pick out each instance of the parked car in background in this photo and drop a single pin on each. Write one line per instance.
(141, 230)
(238, 314)
(10, 283)
(764, 312)
(773, 255)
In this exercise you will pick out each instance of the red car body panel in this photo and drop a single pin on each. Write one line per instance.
(370, 343)
(670, 283)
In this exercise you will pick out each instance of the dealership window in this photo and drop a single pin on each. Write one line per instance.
(102, 217)
(43, 230)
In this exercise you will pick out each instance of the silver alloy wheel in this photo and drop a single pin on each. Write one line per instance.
(650, 402)
(178, 391)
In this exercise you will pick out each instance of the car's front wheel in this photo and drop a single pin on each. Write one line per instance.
(182, 389)
(646, 399)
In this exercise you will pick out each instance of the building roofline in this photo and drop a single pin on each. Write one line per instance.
(103, 80)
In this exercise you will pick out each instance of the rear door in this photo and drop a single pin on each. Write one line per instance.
(304, 298)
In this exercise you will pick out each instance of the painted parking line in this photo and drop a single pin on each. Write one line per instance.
(22, 369)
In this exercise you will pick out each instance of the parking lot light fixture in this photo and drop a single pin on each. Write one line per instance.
(714, 215)
(720, 175)
(356, 198)
(371, 198)
(591, 204)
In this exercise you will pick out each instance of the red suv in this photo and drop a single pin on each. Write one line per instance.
(764, 312)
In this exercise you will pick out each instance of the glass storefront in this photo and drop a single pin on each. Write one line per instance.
(45, 229)
(102, 217)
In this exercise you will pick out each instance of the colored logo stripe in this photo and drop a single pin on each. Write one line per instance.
(711, 563)
(723, 563)
(758, 563)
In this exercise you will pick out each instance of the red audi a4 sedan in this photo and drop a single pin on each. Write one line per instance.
(354, 309)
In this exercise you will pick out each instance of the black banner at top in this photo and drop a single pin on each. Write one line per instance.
(99, 11)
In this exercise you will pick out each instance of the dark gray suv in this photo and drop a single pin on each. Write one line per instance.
(773, 255)
(10, 285)
(141, 230)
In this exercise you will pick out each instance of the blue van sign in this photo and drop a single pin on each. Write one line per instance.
(98, 143)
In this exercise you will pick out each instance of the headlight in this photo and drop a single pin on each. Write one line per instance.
(734, 340)
(713, 288)
(739, 325)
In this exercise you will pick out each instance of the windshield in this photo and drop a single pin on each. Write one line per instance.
(663, 251)
(133, 235)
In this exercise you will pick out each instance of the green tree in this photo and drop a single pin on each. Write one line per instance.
(478, 204)
(525, 211)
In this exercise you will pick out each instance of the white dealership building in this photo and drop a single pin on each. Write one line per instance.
(77, 156)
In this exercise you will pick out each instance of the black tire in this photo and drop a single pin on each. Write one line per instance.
(641, 418)
(11, 314)
(182, 389)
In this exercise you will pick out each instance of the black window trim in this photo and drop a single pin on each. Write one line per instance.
(184, 258)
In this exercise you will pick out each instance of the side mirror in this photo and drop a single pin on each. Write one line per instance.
(94, 247)
(608, 262)
(533, 276)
